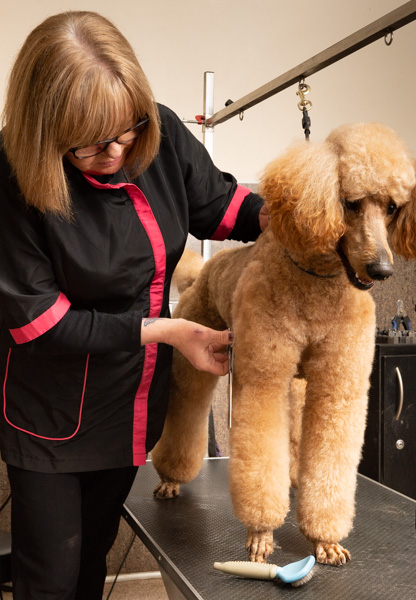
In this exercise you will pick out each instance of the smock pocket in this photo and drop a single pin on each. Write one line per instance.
(43, 394)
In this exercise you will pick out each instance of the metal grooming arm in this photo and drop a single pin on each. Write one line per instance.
(380, 28)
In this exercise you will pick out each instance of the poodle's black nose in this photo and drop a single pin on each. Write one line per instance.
(380, 270)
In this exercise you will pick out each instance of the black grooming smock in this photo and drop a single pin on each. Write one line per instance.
(80, 392)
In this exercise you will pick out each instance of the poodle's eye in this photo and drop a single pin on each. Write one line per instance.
(391, 209)
(353, 206)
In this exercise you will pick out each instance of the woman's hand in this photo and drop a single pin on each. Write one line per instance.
(205, 348)
(264, 217)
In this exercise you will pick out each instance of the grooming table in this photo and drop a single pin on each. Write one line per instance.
(189, 533)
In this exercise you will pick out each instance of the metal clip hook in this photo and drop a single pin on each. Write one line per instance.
(303, 89)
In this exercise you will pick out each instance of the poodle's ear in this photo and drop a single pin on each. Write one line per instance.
(403, 232)
(301, 189)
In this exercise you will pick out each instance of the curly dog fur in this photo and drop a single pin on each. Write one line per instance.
(298, 303)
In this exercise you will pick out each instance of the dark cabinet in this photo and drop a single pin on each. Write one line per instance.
(389, 453)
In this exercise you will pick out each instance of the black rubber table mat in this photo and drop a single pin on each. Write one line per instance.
(189, 533)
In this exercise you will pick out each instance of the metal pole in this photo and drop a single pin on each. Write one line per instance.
(380, 28)
(208, 133)
(208, 136)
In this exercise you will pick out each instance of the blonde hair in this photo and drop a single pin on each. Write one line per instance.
(75, 81)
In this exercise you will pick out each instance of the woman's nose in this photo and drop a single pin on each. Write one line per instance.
(114, 150)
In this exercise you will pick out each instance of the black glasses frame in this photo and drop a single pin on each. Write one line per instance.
(106, 143)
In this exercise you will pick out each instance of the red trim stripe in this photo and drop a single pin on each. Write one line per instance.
(147, 218)
(43, 323)
(228, 221)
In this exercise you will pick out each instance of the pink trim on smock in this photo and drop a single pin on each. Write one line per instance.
(147, 219)
(43, 323)
(228, 221)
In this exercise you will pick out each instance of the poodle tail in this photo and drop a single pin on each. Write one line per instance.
(187, 270)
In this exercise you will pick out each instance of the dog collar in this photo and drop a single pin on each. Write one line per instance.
(311, 272)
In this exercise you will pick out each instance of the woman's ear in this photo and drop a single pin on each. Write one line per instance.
(302, 191)
(403, 230)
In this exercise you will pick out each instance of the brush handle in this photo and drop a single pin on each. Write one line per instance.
(251, 570)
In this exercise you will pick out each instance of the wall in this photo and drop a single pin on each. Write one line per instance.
(246, 45)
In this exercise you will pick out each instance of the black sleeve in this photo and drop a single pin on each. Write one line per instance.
(89, 332)
(214, 197)
(33, 310)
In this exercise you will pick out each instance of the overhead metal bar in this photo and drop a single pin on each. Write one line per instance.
(380, 28)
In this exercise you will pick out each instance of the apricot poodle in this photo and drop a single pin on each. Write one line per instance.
(298, 303)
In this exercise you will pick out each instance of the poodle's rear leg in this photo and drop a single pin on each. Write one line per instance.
(178, 455)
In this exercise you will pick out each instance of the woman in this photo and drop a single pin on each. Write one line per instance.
(99, 187)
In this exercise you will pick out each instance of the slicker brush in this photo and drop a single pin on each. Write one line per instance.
(296, 573)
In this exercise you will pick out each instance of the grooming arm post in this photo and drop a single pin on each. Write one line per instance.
(208, 137)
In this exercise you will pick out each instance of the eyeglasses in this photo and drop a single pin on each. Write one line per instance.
(127, 136)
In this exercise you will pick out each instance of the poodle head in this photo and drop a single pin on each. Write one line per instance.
(312, 189)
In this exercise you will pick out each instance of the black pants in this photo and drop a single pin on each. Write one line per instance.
(63, 525)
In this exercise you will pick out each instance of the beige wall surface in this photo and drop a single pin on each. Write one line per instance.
(247, 44)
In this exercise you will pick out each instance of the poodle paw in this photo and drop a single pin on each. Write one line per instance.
(167, 489)
(331, 554)
(259, 545)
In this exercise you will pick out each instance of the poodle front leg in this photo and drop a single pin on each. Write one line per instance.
(178, 455)
(332, 437)
(259, 454)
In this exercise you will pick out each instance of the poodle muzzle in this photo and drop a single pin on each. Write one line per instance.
(377, 271)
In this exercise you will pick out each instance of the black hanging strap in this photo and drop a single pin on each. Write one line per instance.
(306, 123)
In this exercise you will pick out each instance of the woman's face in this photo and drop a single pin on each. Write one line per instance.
(113, 157)
(105, 163)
